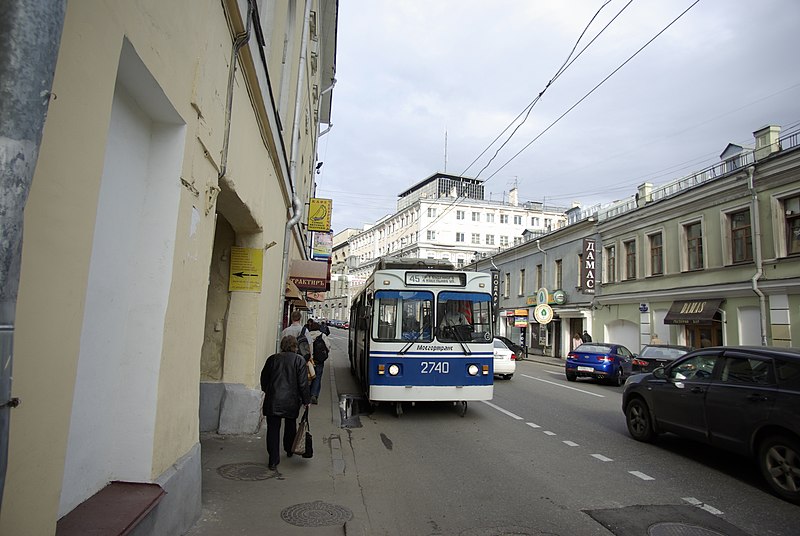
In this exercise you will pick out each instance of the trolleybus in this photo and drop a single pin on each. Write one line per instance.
(422, 331)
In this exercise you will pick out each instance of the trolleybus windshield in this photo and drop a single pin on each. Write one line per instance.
(403, 316)
(463, 317)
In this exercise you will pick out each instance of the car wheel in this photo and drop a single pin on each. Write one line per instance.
(640, 424)
(509, 376)
(618, 378)
(571, 376)
(779, 461)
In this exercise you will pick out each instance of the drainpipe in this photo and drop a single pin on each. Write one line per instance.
(30, 34)
(330, 125)
(297, 206)
(762, 302)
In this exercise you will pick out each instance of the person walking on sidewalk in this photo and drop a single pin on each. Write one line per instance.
(320, 348)
(284, 380)
(295, 327)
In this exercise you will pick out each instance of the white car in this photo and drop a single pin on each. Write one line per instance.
(505, 361)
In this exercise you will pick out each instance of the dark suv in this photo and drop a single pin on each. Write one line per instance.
(745, 399)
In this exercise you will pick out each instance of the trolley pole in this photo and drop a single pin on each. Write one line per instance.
(30, 34)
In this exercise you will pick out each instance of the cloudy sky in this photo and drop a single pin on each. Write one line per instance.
(413, 74)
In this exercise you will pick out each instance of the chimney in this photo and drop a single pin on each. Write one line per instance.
(767, 141)
(645, 194)
(513, 198)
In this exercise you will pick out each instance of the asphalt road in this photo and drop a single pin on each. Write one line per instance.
(546, 456)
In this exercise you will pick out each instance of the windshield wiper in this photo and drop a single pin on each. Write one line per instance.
(408, 346)
(456, 336)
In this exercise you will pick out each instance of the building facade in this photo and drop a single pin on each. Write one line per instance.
(180, 143)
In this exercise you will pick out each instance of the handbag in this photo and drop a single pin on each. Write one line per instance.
(312, 371)
(303, 443)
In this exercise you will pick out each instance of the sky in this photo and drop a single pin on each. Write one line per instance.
(426, 87)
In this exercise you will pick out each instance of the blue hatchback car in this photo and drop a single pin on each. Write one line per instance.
(600, 360)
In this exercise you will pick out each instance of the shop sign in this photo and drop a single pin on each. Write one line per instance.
(588, 267)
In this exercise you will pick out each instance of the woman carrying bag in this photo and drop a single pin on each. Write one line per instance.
(284, 380)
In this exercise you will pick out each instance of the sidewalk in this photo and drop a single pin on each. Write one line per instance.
(241, 496)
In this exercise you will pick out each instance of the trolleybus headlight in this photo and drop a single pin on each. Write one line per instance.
(473, 370)
(394, 370)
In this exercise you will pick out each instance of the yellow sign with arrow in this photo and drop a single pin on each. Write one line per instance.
(319, 214)
(246, 269)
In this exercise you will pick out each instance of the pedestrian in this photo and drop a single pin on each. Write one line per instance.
(303, 344)
(586, 337)
(323, 327)
(320, 348)
(295, 327)
(284, 380)
(655, 340)
(576, 340)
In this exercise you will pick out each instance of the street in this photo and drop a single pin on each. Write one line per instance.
(545, 456)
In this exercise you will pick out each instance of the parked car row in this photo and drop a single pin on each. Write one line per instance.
(343, 324)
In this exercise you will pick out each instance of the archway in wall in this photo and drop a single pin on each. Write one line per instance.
(623, 332)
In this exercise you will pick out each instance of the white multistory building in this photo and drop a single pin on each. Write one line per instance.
(447, 217)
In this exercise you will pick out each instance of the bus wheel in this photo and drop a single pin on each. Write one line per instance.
(398, 409)
(462, 410)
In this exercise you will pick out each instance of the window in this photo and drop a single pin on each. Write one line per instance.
(517, 220)
(489, 239)
(459, 214)
(503, 218)
(464, 316)
(694, 245)
(791, 208)
(476, 238)
(503, 240)
(548, 222)
(460, 262)
(539, 281)
(741, 236)
(431, 212)
(559, 275)
(506, 285)
(517, 240)
(403, 315)
(630, 259)
(610, 273)
(489, 217)
(656, 254)
(522, 282)
(476, 216)
(459, 237)
(431, 235)
(535, 221)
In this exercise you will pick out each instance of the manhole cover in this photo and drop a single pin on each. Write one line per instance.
(680, 529)
(316, 514)
(246, 471)
(501, 531)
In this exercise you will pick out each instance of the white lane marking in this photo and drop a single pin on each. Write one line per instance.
(564, 386)
(602, 458)
(641, 475)
(554, 373)
(570, 443)
(700, 504)
(501, 410)
(549, 432)
(533, 425)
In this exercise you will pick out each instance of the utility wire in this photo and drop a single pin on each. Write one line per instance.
(593, 89)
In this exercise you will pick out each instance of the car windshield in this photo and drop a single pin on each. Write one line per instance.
(661, 351)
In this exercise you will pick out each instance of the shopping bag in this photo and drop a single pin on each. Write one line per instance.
(312, 371)
(299, 445)
(309, 452)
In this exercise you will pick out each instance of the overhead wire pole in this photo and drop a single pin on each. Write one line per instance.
(30, 34)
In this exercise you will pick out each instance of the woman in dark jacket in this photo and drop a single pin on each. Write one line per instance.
(284, 380)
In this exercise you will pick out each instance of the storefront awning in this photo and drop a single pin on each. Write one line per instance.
(692, 312)
(309, 275)
(292, 292)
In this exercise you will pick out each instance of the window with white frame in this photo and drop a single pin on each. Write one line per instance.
(656, 244)
(559, 274)
(790, 229)
(476, 238)
(476, 216)
(539, 281)
(522, 282)
(517, 220)
(503, 240)
(459, 214)
(503, 218)
(460, 262)
(610, 272)
(506, 285)
(535, 221)
(431, 235)
(459, 237)
(489, 217)
(431, 212)
(489, 239)
(630, 259)
(693, 244)
(740, 236)
(517, 240)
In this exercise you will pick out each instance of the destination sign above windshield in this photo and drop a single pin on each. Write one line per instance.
(436, 279)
